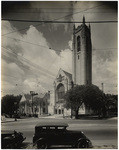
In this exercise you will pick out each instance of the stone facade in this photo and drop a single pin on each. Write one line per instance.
(62, 84)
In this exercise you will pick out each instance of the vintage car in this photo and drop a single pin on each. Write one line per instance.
(11, 139)
(48, 134)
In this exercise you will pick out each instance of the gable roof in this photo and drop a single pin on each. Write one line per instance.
(68, 74)
(65, 72)
(23, 98)
(27, 97)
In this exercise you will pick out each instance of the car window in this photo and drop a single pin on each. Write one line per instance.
(44, 128)
(61, 128)
(52, 128)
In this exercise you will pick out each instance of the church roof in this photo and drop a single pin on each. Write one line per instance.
(68, 74)
(65, 72)
(23, 98)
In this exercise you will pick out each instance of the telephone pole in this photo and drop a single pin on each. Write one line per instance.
(32, 94)
(72, 86)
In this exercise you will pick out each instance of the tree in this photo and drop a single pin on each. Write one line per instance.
(90, 95)
(93, 98)
(10, 104)
(111, 104)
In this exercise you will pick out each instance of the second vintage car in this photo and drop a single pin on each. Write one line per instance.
(11, 139)
(48, 134)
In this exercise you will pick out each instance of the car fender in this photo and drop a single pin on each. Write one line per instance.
(8, 138)
(82, 139)
(39, 140)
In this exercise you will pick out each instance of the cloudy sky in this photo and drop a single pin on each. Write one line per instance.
(33, 52)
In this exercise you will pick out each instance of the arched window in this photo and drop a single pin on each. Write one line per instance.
(60, 91)
(78, 44)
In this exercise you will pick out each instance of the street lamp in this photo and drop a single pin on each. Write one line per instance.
(15, 111)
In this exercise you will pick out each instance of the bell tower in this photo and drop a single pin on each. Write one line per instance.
(82, 54)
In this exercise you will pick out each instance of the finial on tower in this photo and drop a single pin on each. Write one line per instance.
(83, 20)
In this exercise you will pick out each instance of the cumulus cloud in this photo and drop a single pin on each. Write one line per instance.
(34, 63)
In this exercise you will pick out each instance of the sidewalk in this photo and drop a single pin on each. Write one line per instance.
(113, 118)
(52, 116)
(7, 120)
(4, 120)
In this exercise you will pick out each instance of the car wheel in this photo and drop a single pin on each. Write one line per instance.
(42, 145)
(82, 144)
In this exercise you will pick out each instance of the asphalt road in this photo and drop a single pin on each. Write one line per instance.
(102, 133)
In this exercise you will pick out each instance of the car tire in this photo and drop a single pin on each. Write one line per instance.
(82, 144)
(42, 145)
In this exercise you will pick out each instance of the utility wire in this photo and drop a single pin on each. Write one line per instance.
(51, 8)
(104, 49)
(20, 29)
(52, 20)
(80, 11)
(31, 63)
(26, 42)
(26, 61)
(49, 47)
(30, 43)
(20, 62)
(33, 75)
(24, 12)
(33, 72)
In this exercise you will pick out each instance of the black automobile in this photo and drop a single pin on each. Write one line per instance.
(11, 139)
(48, 134)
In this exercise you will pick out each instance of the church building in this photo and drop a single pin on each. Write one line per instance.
(81, 69)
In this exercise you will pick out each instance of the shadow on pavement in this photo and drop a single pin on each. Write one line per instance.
(26, 145)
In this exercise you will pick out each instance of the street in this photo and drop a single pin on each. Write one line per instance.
(102, 133)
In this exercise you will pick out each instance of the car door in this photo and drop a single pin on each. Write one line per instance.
(60, 135)
(64, 137)
(53, 136)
